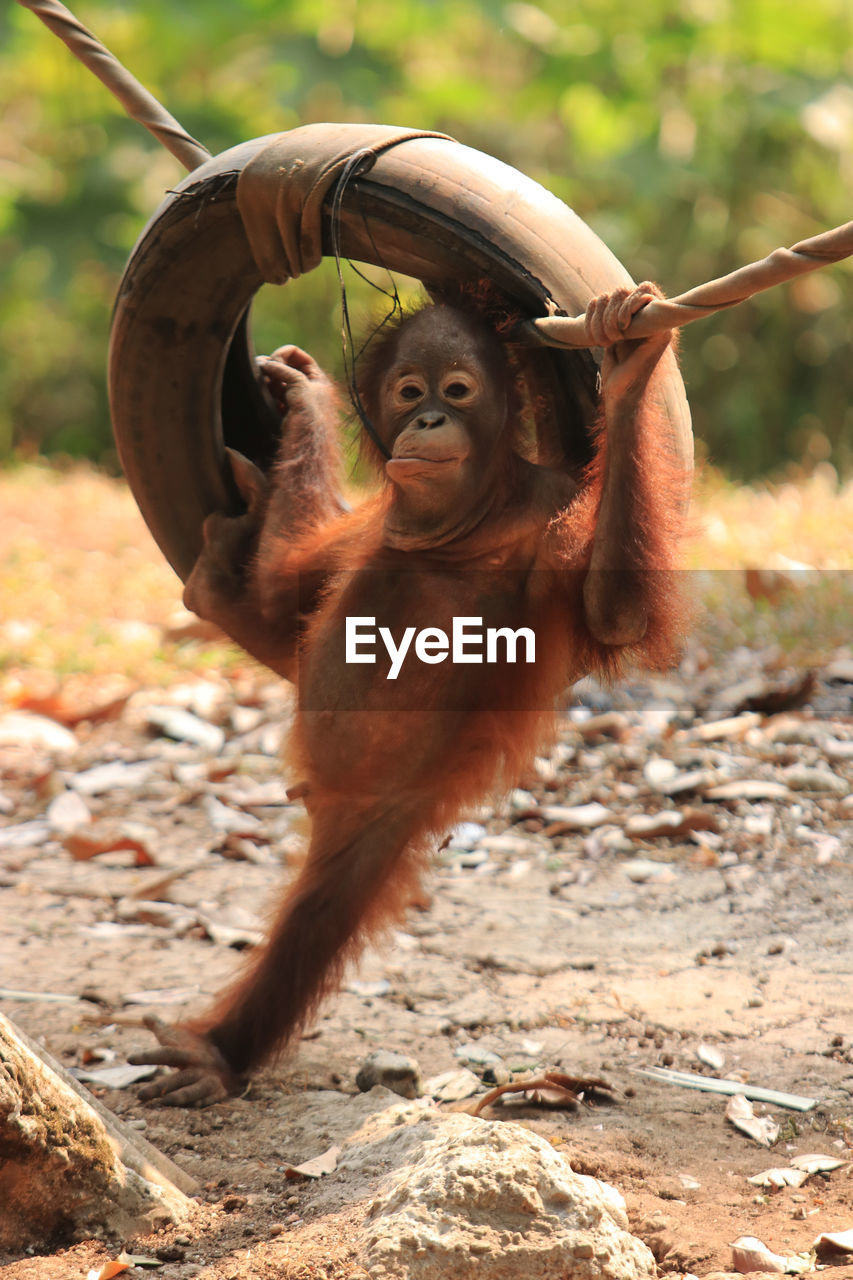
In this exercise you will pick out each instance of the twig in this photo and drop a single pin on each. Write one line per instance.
(705, 299)
(37, 997)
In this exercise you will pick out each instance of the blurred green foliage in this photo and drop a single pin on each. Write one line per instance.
(693, 135)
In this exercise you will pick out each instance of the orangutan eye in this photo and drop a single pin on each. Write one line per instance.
(410, 391)
(457, 390)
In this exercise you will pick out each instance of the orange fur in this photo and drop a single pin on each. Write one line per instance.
(386, 767)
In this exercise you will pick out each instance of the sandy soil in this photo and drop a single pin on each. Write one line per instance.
(594, 952)
(586, 952)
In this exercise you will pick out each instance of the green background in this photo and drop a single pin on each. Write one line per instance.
(693, 137)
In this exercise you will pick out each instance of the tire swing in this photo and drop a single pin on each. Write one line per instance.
(182, 374)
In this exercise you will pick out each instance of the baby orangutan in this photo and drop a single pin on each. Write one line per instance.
(387, 754)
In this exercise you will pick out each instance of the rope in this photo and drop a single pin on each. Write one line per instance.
(357, 164)
(139, 104)
(705, 299)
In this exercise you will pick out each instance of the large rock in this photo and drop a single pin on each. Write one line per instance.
(66, 1171)
(497, 1201)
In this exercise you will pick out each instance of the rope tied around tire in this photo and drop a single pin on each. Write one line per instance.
(281, 196)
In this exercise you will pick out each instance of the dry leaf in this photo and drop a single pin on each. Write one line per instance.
(115, 1077)
(817, 1163)
(741, 1113)
(114, 1267)
(102, 838)
(732, 728)
(111, 776)
(830, 1244)
(711, 1056)
(24, 728)
(749, 789)
(775, 1179)
(750, 1254)
(184, 726)
(452, 1086)
(67, 812)
(670, 822)
(316, 1168)
(577, 817)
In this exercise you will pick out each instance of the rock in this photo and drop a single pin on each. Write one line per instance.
(112, 776)
(639, 870)
(659, 772)
(67, 812)
(393, 1071)
(577, 817)
(183, 726)
(453, 1086)
(497, 1199)
(25, 728)
(68, 1167)
(803, 778)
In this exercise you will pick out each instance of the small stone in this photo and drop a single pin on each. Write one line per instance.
(25, 728)
(183, 726)
(394, 1071)
(67, 812)
(232, 1204)
(802, 778)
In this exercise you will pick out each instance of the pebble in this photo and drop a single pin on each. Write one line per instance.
(394, 1071)
(802, 778)
(183, 726)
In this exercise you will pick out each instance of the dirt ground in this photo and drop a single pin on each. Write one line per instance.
(599, 951)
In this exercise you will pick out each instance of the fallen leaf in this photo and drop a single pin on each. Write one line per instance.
(578, 817)
(71, 711)
(163, 915)
(731, 728)
(233, 821)
(111, 776)
(68, 812)
(24, 835)
(751, 1254)
(669, 822)
(316, 1168)
(114, 1267)
(453, 1086)
(610, 724)
(775, 1179)
(711, 1056)
(832, 1243)
(100, 838)
(115, 1077)
(24, 728)
(774, 699)
(741, 1113)
(817, 1163)
(184, 726)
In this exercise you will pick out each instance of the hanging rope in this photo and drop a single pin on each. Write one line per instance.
(552, 331)
(359, 163)
(705, 299)
(139, 104)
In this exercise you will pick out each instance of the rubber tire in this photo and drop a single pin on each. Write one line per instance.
(181, 366)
